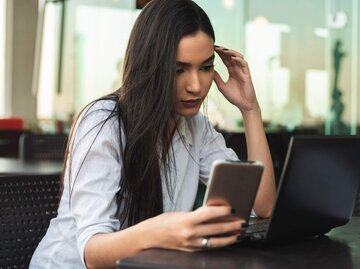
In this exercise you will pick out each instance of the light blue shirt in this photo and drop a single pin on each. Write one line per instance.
(92, 189)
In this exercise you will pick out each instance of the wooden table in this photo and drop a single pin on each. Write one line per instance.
(340, 249)
(9, 166)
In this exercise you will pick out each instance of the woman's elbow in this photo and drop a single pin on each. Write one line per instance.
(264, 211)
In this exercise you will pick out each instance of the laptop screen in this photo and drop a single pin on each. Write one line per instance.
(318, 185)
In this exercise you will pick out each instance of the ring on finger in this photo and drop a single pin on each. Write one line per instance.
(206, 243)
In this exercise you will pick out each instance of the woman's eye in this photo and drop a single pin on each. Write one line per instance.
(179, 71)
(207, 68)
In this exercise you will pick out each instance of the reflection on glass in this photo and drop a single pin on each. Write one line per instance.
(96, 34)
(271, 80)
(290, 58)
(48, 73)
(100, 53)
(2, 56)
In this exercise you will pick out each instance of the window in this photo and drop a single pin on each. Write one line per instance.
(91, 57)
(2, 56)
(291, 61)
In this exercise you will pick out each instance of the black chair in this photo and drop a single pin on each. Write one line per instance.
(9, 142)
(42, 146)
(356, 211)
(237, 142)
(278, 143)
(27, 204)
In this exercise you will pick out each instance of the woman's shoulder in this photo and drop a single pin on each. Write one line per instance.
(98, 109)
(96, 113)
(102, 106)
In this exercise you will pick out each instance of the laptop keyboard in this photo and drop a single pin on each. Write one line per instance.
(258, 226)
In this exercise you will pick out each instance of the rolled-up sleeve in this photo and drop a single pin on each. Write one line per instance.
(95, 175)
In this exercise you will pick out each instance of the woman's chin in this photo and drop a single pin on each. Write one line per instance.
(188, 113)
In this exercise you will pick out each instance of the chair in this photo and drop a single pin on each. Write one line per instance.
(278, 143)
(9, 143)
(42, 146)
(27, 204)
(237, 142)
(356, 211)
(12, 123)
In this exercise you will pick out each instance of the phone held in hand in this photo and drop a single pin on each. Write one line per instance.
(235, 184)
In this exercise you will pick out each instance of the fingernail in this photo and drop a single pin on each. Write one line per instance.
(233, 210)
(244, 225)
(225, 49)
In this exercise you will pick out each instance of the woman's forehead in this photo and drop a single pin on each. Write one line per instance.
(195, 48)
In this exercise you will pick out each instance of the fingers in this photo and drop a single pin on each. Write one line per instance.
(206, 243)
(224, 52)
(240, 60)
(207, 213)
(218, 81)
(227, 56)
(216, 220)
(231, 58)
(216, 242)
(195, 229)
(229, 227)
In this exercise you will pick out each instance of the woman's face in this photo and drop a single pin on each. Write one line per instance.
(195, 72)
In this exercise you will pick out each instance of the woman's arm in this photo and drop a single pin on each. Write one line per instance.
(173, 230)
(239, 91)
(258, 149)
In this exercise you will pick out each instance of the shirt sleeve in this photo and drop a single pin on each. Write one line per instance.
(213, 147)
(95, 174)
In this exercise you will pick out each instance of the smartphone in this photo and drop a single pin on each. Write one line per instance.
(235, 184)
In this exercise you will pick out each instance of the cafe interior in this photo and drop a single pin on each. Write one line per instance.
(56, 57)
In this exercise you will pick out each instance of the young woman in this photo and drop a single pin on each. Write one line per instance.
(135, 157)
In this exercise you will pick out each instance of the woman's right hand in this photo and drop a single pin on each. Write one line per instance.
(186, 230)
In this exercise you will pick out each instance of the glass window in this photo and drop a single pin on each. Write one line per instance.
(91, 54)
(2, 56)
(49, 61)
(229, 33)
(291, 50)
(303, 57)
(99, 53)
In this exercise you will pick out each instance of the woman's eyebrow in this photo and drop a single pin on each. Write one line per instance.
(211, 58)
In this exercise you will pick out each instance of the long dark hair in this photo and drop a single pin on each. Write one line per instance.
(146, 101)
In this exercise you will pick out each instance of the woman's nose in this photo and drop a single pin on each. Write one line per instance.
(193, 83)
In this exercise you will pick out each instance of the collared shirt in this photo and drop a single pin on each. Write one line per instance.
(88, 205)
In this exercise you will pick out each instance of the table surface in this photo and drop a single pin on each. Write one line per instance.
(340, 248)
(10, 166)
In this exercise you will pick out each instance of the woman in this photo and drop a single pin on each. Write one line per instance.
(135, 157)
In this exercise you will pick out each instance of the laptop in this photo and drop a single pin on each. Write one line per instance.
(317, 189)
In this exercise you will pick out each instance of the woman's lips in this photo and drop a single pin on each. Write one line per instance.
(191, 103)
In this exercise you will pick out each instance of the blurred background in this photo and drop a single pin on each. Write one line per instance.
(58, 55)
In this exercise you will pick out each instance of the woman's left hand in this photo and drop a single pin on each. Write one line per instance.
(239, 89)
